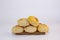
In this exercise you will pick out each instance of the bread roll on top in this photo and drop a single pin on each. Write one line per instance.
(23, 22)
(33, 21)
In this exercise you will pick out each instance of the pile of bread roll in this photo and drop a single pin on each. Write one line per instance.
(29, 25)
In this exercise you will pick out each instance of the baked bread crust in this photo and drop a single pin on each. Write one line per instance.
(30, 29)
(17, 29)
(43, 28)
(33, 21)
(23, 22)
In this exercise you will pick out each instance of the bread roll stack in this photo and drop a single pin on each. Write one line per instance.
(29, 25)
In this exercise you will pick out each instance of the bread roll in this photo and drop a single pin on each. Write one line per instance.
(23, 22)
(33, 21)
(17, 29)
(30, 29)
(43, 28)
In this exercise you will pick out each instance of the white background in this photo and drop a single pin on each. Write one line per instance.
(47, 11)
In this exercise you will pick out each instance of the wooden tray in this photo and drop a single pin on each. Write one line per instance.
(35, 33)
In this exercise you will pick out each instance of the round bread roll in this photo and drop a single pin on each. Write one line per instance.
(33, 21)
(43, 28)
(23, 22)
(17, 29)
(30, 29)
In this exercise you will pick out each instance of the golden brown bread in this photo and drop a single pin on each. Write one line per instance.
(23, 22)
(33, 21)
(30, 26)
(17, 29)
(43, 28)
(30, 29)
